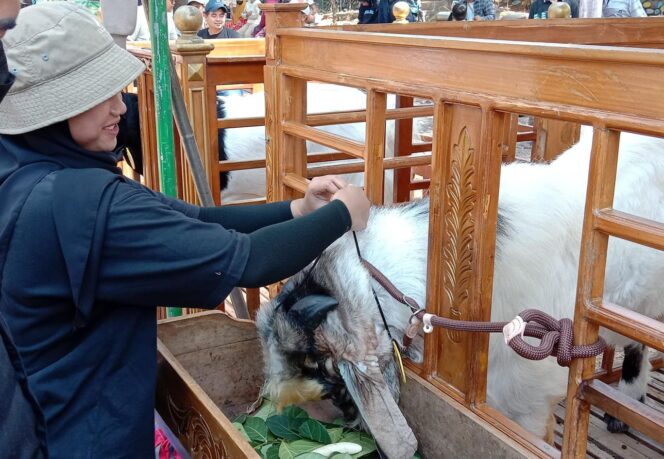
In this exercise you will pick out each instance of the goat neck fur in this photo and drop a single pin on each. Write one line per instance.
(538, 242)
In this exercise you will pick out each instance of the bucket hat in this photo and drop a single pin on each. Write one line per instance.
(64, 62)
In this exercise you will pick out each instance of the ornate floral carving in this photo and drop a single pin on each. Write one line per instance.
(461, 197)
(192, 428)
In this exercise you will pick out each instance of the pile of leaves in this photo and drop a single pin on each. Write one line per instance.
(293, 434)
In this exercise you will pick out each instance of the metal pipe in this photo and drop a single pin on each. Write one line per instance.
(163, 106)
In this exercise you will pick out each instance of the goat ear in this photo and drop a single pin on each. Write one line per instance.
(310, 311)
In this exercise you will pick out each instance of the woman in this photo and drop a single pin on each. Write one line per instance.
(86, 254)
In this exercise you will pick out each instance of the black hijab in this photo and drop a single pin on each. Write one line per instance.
(22, 426)
(6, 78)
(83, 186)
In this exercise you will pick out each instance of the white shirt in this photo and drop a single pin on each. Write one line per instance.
(623, 9)
(142, 30)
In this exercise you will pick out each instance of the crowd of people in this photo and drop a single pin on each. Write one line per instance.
(235, 19)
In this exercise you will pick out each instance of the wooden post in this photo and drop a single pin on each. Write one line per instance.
(278, 16)
(592, 266)
(374, 175)
(553, 137)
(191, 52)
(462, 231)
(403, 141)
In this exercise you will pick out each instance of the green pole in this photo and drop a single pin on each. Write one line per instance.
(161, 79)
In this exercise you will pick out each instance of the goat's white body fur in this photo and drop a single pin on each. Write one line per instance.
(249, 143)
(536, 264)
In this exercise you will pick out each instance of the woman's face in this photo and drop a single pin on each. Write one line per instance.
(97, 129)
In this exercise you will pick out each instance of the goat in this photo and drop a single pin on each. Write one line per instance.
(326, 320)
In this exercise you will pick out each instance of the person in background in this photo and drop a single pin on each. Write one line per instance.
(458, 12)
(87, 254)
(215, 17)
(368, 12)
(22, 424)
(539, 9)
(252, 14)
(200, 4)
(142, 29)
(309, 13)
(173, 32)
(379, 12)
(479, 10)
(623, 9)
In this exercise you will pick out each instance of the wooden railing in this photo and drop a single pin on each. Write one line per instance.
(478, 87)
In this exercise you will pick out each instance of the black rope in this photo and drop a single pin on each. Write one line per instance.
(380, 308)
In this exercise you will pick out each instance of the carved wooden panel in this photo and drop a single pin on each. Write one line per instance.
(467, 145)
(191, 426)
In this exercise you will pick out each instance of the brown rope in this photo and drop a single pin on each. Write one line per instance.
(556, 336)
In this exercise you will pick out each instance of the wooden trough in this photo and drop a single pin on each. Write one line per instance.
(468, 74)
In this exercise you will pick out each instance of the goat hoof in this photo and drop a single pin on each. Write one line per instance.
(614, 425)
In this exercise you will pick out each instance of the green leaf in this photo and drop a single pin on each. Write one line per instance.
(256, 429)
(417, 455)
(314, 430)
(293, 449)
(339, 422)
(311, 456)
(295, 412)
(284, 427)
(240, 427)
(342, 456)
(266, 410)
(335, 434)
(367, 443)
(272, 452)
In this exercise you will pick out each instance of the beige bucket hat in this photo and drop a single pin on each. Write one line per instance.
(64, 62)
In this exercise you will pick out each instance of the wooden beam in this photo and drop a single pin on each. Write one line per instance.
(630, 227)
(323, 138)
(636, 414)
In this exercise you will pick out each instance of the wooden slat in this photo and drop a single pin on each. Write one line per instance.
(623, 407)
(293, 111)
(630, 227)
(295, 182)
(227, 123)
(328, 156)
(324, 138)
(238, 165)
(628, 323)
(359, 116)
(348, 167)
(375, 146)
(357, 165)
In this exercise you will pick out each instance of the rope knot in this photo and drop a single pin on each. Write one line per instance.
(556, 339)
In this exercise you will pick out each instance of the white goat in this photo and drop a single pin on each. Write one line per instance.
(540, 216)
(249, 143)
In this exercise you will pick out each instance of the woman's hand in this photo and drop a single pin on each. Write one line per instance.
(319, 193)
(358, 205)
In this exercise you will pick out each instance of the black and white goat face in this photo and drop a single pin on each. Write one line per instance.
(320, 343)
